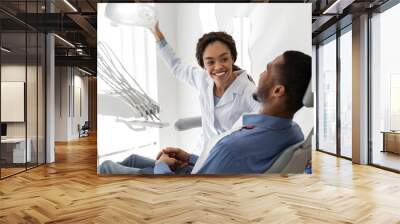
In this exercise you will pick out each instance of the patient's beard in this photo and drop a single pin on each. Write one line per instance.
(262, 93)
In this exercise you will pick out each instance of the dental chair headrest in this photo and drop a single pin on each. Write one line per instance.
(308, 99)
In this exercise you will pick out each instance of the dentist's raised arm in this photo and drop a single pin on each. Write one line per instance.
(182, 71)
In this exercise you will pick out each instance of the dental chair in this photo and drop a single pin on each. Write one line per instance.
(297, 157)
(293, 160)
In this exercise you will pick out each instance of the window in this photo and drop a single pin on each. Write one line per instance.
(394, 118)
(327, 97)
(346, 94)
(335, 74)
(385, 88)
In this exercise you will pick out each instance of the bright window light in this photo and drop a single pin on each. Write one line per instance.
(207, 17)
(241, 33)
(394, 102)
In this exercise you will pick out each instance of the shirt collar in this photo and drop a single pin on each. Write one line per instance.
(266, 121)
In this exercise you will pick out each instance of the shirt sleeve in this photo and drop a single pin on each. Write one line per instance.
(162, 168)
(162, 43)
(193, 159)
(190, 74)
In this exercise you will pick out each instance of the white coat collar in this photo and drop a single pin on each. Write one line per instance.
(237, 87)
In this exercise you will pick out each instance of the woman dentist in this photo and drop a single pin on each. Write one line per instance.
(225, 94)
(225, 91)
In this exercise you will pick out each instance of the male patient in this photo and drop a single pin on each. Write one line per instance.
(263, 136)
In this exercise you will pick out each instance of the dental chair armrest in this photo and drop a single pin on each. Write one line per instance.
(187, 123)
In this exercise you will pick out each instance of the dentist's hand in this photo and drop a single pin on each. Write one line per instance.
(157, 32)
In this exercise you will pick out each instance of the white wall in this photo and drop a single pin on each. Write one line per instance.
(80, 83)
(167, 97)
(61, 103)
(187, 97)
(33, 125)
(277, 28)
(15, 73)
(66, 121)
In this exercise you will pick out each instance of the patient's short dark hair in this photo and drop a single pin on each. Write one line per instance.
(295, 75)
(210, 38)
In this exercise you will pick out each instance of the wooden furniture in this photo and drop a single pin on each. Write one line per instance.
(391, 141)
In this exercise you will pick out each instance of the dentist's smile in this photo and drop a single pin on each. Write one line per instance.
(220, 73)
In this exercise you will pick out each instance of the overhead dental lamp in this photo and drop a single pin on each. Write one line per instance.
(133, 14)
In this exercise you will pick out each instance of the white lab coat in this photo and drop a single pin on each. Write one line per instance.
(236, 100)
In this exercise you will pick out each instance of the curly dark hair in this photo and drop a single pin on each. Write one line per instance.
(210, 38)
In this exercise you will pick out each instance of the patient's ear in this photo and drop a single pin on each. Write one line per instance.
(279, 90)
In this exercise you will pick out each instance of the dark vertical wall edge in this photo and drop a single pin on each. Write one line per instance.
(0, 96)
(316, 97)
(26, 87)
(338, 95)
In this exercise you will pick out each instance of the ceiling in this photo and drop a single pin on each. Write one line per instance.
(77, 23)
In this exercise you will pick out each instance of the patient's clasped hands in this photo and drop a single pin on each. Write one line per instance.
(174, 157)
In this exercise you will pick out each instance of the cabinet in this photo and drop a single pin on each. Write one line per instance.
(391, 141)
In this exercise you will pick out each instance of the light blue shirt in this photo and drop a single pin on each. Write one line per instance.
(252, 149)
(216, 100)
